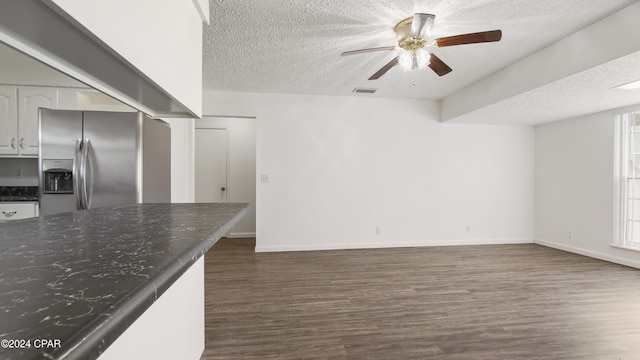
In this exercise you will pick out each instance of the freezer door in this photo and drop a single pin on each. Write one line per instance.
(59, 132)
(156, 162)
(111, 172)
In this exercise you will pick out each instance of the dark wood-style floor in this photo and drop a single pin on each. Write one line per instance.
(468, 302)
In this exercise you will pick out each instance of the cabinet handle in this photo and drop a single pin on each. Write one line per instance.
(9, 213)
(22, 143)
(13, 143)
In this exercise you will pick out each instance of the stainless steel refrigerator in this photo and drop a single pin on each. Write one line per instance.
(90, 159)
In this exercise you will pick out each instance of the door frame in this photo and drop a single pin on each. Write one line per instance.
(226, 122)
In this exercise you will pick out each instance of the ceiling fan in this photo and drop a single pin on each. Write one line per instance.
(414, 36)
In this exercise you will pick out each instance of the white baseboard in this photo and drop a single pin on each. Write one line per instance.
(589, 253)
(241, 235)
(345, 246)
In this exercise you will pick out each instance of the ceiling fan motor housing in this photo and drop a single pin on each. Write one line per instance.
(409, 41)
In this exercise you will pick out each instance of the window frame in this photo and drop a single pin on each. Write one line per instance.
(627, 172)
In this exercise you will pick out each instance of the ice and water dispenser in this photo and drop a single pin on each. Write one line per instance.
(57, 176)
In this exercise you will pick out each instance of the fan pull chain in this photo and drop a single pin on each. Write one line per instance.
(413, 77)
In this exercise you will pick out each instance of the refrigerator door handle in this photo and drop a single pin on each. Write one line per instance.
(75, 174)
(83, 169)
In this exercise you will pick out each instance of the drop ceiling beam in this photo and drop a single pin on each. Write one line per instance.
(607, 40)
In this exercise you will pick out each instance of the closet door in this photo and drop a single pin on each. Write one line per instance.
(211, 165)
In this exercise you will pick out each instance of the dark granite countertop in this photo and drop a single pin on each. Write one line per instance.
(18, 193)
(83, 277)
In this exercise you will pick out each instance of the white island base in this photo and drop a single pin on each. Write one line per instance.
(171, 328)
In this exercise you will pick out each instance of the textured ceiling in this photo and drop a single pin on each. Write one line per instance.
(294, 46)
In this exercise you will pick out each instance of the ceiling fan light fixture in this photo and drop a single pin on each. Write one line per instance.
(405, 61)
(414, 60)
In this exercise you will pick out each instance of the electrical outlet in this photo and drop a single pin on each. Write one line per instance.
(569, 234)
(264, 178)
(468, 228)
(378, 230)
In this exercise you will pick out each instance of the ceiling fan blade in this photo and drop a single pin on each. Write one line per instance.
(438, 66)
(385, 68)
(361, 51)
(473, 38)
(421, 25)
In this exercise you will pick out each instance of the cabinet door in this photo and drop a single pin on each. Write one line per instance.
(8, 121)
(30, 100)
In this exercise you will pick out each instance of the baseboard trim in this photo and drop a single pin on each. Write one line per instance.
(241, 235)
(347, 246)
(589, 253)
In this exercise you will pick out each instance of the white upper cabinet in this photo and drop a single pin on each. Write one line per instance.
(19, 118)
(8, 120)
(30, 100)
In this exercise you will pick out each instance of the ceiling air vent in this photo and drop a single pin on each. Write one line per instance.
(364, 90)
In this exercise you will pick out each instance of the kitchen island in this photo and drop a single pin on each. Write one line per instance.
(71, 284)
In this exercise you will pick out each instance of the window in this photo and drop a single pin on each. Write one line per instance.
(628, 209)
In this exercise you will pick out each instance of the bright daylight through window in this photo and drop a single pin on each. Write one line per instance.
(629, 181)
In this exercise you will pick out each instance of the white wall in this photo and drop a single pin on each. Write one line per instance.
(182, 160)
(18, 171)
(574, 187)
(341, 166)
(241, 186)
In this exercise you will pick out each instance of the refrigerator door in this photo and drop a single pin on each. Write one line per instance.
(111, 168)
(59, 131)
